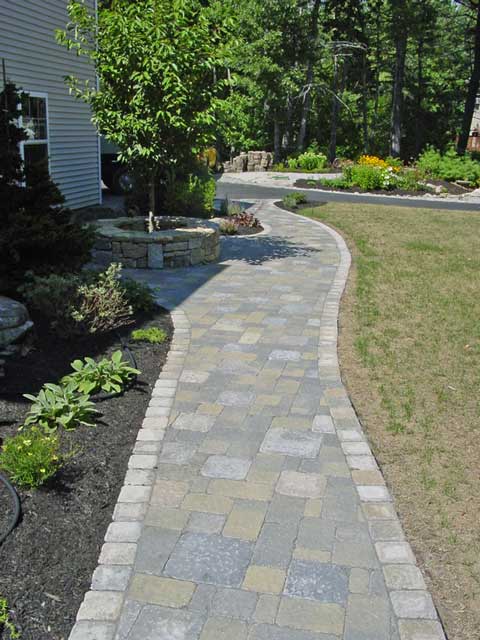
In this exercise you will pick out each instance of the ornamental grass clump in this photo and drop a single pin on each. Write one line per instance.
(31, 457)
(228, 227)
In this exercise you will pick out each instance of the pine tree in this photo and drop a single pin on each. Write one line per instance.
(36, 232)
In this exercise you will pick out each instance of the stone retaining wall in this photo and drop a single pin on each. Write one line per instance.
(197, 243)
(251, 161)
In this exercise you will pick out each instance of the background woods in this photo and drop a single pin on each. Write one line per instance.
(353, 76)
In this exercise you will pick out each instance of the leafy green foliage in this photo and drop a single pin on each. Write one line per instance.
(138, 295)
(85, 303)
(310, 160)
(30, 458)
(59, 406)
(36, 232)
(449, 166)
(190, 196)
(293, 200)
(154, 335)
(108, 375)
(159, 65)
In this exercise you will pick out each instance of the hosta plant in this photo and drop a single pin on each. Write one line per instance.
(109, 375)
(31, 457)
(60, 406)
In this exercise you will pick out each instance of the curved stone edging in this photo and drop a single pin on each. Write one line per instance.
(405, 583)
(100, 611)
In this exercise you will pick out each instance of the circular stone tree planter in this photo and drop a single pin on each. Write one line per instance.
(189, 241)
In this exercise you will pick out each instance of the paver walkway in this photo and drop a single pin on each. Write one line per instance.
(253, 508)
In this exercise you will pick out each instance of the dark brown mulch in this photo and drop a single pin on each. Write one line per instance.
(452, 188)
(249, 231)
(47, 562)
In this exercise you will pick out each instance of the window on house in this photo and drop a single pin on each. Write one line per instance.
(35, 122)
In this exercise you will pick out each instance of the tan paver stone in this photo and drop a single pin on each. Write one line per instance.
(250, 337)
(166, 518)
(264, 477)
(292, 423)
(367, 477)
(163, 591)
(264, 579)
(378, 511)
(244, 523)
(240, 489)
(246, 380)
(210, 409)
(266, 610)
(208, 503)
(313, 508)
(213, 446)
(312, 555)
(311, 616)
(169, 493)
(268, 400)
(420, 630)
(255, 317)
(301, 485)
(287, 386)
(224, 629)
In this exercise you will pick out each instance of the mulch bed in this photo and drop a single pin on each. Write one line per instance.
(47, 562)
(452, 189)
(248, 231)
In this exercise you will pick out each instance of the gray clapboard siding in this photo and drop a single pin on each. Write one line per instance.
(35, 62)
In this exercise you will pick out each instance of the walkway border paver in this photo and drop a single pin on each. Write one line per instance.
(100, 612)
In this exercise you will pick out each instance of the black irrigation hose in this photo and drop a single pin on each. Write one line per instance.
(16, 508)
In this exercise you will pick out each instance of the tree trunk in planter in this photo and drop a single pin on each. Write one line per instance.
(332, 149)
(473, 88)
(152, 193)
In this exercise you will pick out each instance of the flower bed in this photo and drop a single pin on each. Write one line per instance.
(47, 561)
(190, 241)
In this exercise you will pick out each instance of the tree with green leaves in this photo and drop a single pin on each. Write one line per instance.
(161, 73)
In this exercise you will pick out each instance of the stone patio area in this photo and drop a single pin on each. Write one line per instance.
(253, 507)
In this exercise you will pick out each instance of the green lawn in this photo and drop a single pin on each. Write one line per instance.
(410, 355)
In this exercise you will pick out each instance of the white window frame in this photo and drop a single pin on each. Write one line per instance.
(23, 143)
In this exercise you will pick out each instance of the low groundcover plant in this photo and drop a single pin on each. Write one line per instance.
(31, 457)
(154, 335)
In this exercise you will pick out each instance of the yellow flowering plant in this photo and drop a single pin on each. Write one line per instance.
(30, 458)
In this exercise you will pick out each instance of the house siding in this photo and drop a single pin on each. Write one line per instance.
(35, 62)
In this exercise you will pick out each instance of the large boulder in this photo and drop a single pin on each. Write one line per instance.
(14, 321)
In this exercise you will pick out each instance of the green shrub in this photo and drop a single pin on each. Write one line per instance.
(53, 296)
(190, 196)
(86, 303)
(228, 227)
(30, 458)
(449, 166)
(102, 305)
(36, 231)
(311, 161)
(154, 335)
(366, 177)
(293, 200)
(409, 179)
(59, 406)
(138, 295)
(109, 375)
